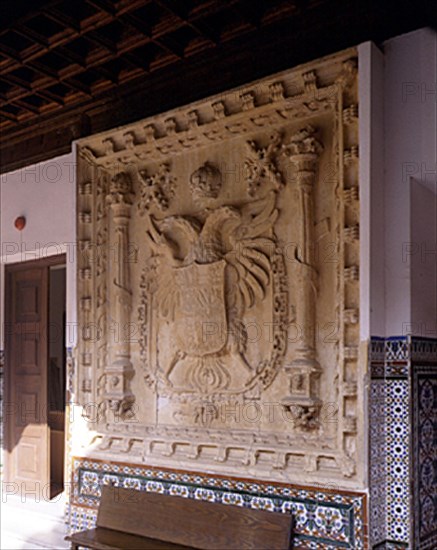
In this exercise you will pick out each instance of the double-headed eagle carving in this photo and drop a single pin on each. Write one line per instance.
(214, 267)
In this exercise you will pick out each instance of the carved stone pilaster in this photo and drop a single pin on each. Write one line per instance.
(303, 151)
(118, 396)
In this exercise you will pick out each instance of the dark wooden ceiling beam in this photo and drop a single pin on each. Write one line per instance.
(31, 11)
(199, 27)
(62, 19)
(69, 72)
(125, 48)
(172, 49)
(44, 94)
(97, 68)
(136, 61)
(102, 42)
(209, 8)
(109, 50)
(10, 117)
(50, 96)
(32, 36)
(45, 70)
(250, 13)
(78, 86)
(10, 53)
(103, 5)
(71, 57)
(23, 105)
(92, 22)
(131, 43)
(290, 32)
(13, 80)
(107, 74)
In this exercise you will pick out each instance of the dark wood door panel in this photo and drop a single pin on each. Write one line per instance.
(27, 351)
(27, 298)
(28, 432)
(30, 456)
(29, 410)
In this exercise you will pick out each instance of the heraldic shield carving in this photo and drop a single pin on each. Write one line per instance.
(201, 288)
(209, 270)
(218, 281)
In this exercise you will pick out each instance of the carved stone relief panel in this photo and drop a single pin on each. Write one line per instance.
(218, 284)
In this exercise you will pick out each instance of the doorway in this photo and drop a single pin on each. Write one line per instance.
(35, 377)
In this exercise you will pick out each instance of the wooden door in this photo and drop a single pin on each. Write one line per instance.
(28, 455)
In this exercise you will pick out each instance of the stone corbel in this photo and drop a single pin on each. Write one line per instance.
(118, 374)
(303, 151)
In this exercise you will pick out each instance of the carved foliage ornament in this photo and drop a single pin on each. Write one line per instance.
(260, 163)
(157, 189)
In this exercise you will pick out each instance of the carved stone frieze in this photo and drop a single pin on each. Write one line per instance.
(224, 281)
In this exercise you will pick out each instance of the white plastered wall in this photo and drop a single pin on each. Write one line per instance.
(45, 194)
(398, 170)
(410, 147)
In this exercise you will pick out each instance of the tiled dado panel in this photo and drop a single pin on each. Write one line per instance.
(322, 518)
(403, 436)
(424, 453)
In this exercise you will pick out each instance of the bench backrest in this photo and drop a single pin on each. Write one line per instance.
(195, 523)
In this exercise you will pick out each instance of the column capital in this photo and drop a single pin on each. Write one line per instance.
(303, 148)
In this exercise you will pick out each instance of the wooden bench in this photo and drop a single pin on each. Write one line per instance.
(139, 520)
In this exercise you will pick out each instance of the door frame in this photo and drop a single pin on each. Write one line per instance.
(47, 262)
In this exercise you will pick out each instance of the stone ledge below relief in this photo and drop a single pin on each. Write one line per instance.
(205, 436)
(336, 468)
(258, 457)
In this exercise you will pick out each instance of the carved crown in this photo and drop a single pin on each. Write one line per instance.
(206, 181)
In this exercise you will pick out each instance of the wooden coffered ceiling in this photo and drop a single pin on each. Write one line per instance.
(72, 67)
